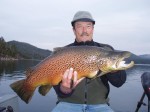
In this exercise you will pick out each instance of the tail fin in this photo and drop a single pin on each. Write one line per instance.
(22, 91)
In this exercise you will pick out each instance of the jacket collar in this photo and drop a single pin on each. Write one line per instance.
(89, 43)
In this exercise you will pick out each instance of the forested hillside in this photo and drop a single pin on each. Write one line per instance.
(7, 51)
(19, 50)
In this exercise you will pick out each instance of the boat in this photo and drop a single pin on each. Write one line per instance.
(9, 103)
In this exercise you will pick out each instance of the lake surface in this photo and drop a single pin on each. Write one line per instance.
(123, 99)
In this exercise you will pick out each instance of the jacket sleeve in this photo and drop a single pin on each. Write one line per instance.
(60, 93)
(117, 79)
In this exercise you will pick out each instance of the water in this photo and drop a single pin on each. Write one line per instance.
(123, 99)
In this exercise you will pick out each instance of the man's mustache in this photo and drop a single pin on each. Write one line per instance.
(84, 34)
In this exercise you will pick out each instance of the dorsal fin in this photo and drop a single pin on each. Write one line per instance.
(57, 49)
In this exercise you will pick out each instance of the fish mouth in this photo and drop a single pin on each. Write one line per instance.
(121, 64)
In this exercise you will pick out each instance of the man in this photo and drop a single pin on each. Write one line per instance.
(86, 95)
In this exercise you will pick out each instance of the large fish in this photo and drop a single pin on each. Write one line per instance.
(88, 61)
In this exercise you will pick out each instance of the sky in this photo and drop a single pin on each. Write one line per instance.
(46, 24)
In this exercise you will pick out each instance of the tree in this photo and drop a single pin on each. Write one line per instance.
(2, 46)
(7, 50)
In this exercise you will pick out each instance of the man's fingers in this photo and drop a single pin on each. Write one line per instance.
(65, 75)
(70, 79)
(77, 82)
(67, 78)
(75, 77)
(70, 74)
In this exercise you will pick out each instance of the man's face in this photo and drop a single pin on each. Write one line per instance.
(83, 31)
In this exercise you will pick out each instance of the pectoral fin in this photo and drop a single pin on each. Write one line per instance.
(44, 89)
(92, 74)
(99, 73)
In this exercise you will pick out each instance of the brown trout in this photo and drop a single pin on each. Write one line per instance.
(88, 61)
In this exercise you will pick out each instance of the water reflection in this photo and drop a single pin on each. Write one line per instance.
(134, 73)
(14, 67)
(13, 70)
(122, 99)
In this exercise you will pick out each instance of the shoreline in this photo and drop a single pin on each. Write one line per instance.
(8, 59)
(15, 59)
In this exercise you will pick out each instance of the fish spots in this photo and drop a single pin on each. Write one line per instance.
(84, 60)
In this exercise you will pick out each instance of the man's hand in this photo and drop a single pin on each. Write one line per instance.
(69, 81)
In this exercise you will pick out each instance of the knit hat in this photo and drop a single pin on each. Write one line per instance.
(82, 16)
